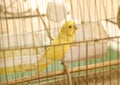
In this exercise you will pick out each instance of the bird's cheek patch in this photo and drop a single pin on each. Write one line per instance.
(72, 32)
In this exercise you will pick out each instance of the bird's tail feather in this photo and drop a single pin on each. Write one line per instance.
(43, 63)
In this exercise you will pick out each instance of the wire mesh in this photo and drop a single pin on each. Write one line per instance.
(30, 38)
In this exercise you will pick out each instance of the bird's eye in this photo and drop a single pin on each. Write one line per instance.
(70, 26)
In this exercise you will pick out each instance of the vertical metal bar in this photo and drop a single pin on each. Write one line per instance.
(5, 67)
(21, 50)
(72, 10)
(66, 69)
(95, 60)
(118, 49)
(118, 66)
(7, 27)
(30, 55)
(81, 15)
(14, 34)
(87, 63)
(54, 48)
(100, 36)
(105, 12)
(79, 63)
(14, 64)
(37, 70)
(95, 54)
(21, 66)
(112, 14)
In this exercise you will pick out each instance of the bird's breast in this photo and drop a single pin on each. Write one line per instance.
(57, 52)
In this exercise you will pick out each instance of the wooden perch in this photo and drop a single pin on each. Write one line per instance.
(75, 69)
(67, 73)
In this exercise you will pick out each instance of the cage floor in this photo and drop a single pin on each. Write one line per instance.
(109, 77)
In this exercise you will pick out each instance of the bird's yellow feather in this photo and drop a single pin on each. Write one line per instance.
(59, 46)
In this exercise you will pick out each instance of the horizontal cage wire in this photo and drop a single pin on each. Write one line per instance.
(59, 42)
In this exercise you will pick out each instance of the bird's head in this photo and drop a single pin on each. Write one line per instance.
(69, 28)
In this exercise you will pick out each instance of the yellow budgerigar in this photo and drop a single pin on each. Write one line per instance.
(59, 46)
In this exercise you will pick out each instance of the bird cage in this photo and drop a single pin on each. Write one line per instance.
(59, 42)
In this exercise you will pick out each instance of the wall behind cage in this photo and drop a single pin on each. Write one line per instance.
(81, 10)
(91, 10)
